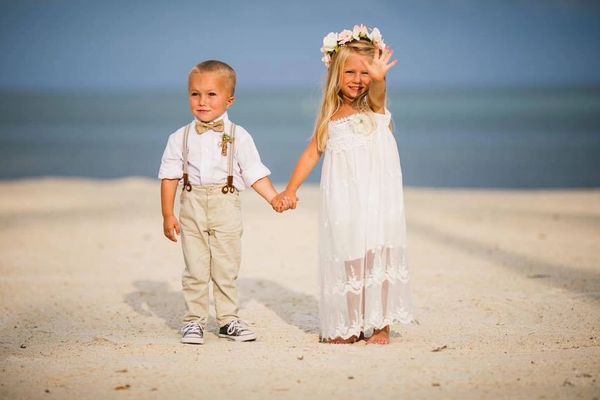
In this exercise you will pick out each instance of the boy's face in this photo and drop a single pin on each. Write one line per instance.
(210, 95)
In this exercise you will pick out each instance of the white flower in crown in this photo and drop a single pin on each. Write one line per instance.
(333, 41)
(360, 31)
(326, 58)
(345, 36)
(377, 39)
(330, 42)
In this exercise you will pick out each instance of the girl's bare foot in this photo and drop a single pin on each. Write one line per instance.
(339, 340)
(380, 336)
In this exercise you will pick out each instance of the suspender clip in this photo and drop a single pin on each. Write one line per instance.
(186, 183)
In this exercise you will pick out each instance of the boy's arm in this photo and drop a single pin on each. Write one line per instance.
(252, 169)
(265, 188)
(168, 189)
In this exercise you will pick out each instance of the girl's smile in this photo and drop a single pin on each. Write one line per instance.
(355, 79)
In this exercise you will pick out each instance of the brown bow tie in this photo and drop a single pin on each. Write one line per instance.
(216, 126)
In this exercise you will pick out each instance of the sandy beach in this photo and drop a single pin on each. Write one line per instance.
(507, 285)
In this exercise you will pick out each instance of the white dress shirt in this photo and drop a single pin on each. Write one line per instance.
(206, 164)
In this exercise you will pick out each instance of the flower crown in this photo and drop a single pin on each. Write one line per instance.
(333, 40)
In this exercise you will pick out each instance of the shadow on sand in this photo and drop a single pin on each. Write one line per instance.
(156, 298)
(294, 308)
(583, 282)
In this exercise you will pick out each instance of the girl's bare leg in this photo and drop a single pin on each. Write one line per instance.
(381, 336)
(354, 269)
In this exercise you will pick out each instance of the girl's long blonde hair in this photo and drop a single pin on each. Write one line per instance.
(332, 97)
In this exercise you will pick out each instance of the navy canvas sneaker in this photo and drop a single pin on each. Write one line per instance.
(237, 330)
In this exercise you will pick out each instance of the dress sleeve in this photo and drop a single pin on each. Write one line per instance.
(171, 165)
(251, 167)
(384, 118)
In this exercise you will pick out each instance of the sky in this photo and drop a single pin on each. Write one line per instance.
(150, 44)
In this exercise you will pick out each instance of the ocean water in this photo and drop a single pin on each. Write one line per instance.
(484, 138)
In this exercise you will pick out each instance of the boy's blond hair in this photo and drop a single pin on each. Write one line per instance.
(215, 66)
(332, 98)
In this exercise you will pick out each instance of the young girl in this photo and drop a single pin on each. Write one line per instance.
(362, 238)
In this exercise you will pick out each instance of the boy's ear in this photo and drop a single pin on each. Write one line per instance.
(230, 101)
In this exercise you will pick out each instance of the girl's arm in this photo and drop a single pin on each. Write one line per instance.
(307, 162)
(378, 69)
(377, 96)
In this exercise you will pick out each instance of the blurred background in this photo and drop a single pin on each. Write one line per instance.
(490, 94)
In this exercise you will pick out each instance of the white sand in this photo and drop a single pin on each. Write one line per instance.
(507, 284)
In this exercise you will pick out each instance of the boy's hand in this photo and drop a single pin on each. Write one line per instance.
(171, 228)
(279, 203)
(284, 201)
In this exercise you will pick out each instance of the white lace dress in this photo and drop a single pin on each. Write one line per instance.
(364, 280)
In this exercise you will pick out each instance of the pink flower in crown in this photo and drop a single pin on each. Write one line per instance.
(360, 31)
(345, 36)
(326, 59)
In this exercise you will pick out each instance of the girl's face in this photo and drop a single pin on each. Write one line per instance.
(355, 78)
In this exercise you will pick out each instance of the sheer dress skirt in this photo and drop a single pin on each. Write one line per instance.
(363, 266)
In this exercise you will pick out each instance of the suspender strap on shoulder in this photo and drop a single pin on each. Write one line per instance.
(229, 187)
(186, 180)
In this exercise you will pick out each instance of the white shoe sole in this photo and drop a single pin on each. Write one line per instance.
(192, 340)
(246, 338)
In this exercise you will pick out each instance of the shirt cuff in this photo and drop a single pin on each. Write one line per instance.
(254, 173)
(170, 173)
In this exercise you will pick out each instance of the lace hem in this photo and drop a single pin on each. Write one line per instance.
(356, 286)
(345, 332)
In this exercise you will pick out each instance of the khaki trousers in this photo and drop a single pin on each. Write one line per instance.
(211, 232)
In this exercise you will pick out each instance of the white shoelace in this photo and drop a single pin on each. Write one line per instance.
(237, 325)
(193, 328)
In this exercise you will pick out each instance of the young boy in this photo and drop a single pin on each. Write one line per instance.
(216, 159)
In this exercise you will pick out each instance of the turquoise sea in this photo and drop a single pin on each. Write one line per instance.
(488, 138)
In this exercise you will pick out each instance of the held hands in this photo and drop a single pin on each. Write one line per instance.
(171, 228)
(284, 201)
(380, 65)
